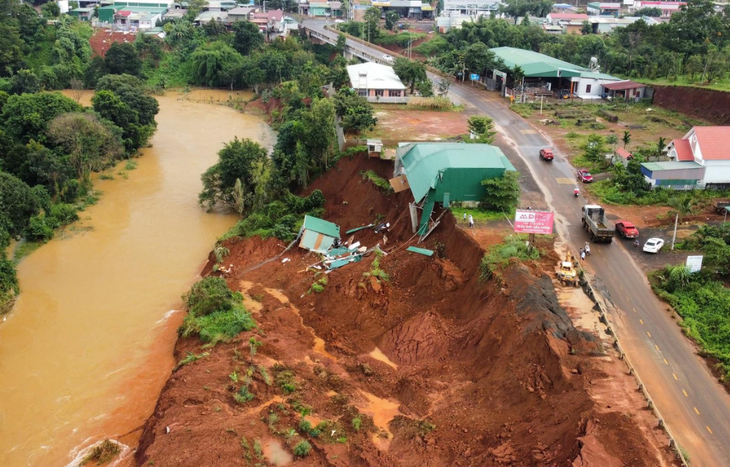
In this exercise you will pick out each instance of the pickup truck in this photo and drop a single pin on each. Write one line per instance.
(593, 218)
(626, 229)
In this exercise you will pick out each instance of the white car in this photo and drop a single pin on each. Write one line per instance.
(387, 58)
(653, 245)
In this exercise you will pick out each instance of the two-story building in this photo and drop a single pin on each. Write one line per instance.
(707, 147)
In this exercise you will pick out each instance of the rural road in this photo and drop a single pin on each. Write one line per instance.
(693, 403)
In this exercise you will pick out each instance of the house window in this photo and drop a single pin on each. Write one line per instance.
(362, 92)
(379, 92)
(588, 88)
(395, 93)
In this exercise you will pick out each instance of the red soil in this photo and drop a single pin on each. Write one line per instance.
(103, 39)
(475, 375)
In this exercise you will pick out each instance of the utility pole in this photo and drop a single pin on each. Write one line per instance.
(674, 237)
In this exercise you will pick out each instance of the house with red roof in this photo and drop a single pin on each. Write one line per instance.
(622, 156)
(627, 90)
(708, 147)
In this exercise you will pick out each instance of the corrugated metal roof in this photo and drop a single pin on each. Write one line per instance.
(624, 153)
(622, 85)
(373, 76)
(424, 163)
(322, 226)
(539, 65)
(671, 165)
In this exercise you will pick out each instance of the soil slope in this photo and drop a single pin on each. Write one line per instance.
(429, 368)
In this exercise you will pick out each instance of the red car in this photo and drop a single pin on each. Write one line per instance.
(585, 176)
(546, 154)
(626, 229)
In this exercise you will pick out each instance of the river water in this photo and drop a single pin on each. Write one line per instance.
(88, 346)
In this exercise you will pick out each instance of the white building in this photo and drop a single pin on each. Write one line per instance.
(473, 8)
(376, 82)
(708, 146)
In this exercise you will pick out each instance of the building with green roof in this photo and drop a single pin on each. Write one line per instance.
(542, 69)
(318, 234)
(445, 173)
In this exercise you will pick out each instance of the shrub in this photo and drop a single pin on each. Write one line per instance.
(102, 452)
(243, 395)
(357, 423)
(302, 449)
(498, 256)
(378, 181)
(209, 295)
(38, 230)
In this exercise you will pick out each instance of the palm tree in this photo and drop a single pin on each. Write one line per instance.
(660, 145)
(682, 206)
(626, 139)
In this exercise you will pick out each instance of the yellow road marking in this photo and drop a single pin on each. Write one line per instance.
(666, 363)
(698, 412)
(565, 181)
(675, 377)
(641, 321)
(685, 393)
(528, 132)
(708, 429)
(657, 347)
(648, 333)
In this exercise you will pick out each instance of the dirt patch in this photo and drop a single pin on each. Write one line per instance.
(478, 376)
(706, 104)
(396, 125)
(104, 38)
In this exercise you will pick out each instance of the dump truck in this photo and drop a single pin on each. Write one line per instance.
(595, 222)
(566, 273)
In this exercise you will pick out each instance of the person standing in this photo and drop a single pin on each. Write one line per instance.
(471, 221)
(464, 218)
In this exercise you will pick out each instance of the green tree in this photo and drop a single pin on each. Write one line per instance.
(586, 28)
(518, 74)
(122, 58)
(478, 58)
(594, 149)
(482, 128)
(24, 81)
(651, 12)
(26, 117)
(238, 161)
(90, 143)
(319, 129)
(355, 111)
(11, 46)
(341, 43)
(51, 10)
(410, 72)
(391, 18)
(246, 37)
(371, 31)
(626, 138)
(501, 193)
(681, 206)
(17, 203)
(130, 90)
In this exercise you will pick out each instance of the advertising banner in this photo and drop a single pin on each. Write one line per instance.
(534, 222)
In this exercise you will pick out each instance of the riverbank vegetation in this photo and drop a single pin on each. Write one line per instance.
(50, 144)
(703, 299)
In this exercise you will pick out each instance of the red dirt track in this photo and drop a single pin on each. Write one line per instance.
(486, 376)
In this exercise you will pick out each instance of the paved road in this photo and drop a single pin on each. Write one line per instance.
(694, 405)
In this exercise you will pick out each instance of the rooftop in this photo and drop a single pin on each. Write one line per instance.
(623, 153)
(714, 141)
(322, 226)
(373, 76)
(568, 16)
(605, 6)
(671, 165)
(425, 163)
(241, 11)
(535, 64)
(684, 150)
(622, 85)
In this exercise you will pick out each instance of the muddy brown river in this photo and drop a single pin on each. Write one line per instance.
(88, 346)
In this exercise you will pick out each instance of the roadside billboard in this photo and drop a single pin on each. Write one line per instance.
(534, 222)
(694, 263)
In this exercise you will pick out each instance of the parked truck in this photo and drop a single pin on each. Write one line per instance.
(595, 222)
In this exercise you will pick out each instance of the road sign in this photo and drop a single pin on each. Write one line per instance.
(694, 263)
(534, 222)
(474, 77)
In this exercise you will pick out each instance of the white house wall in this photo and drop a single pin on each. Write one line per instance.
(717, 172)
(596, 91)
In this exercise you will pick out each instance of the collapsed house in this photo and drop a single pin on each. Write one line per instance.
(444, 173)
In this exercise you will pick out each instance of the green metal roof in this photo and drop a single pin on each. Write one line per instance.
(321, 226)
(451, 171)
(671, 165)
(537, 65)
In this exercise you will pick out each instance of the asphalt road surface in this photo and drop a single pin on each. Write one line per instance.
(692, 402)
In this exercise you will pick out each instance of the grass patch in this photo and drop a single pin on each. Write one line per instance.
(438, 103)
(243, 395)
(102, 453)
(215, 313)
(130, 165)
(401, 39)
(498, 256)
(377, 180)
(432, 46)
(479, 215)
(24, 249)
(285, 378)
(523, 110)
(318, 285)
(265, 375)
(376, 271)
(106, 177)
(191, 357)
